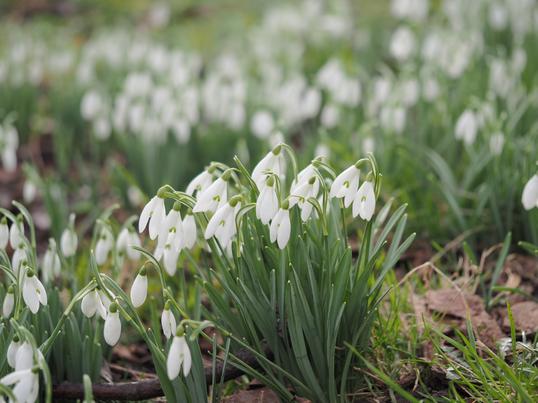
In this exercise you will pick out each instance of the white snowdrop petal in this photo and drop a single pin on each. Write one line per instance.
(529, 198)
(112, 329)
(139, 290)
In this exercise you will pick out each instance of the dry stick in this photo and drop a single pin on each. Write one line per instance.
(151, 388)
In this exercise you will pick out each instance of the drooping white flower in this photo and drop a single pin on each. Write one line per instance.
(4, 233)
(466, 127)
(51, 262)
(69, 239)
(212, 197)
(303, 177)
(301, 194)
(273, 162)
(529, 197)
(16, 233)
(29, 191)
(168, 322)
(24, 359)
(280, 228)
(153, 213)
(222, 224)
(12, 351)
(112, 329)
(496, 143)
(262, 124)
(201, 182)
(103, 246)
(91, 303)
(171, 231)
(139, 289)
(26, 383)
(178, 356)
(33, 292)
(125, 243)
(402, 44)
(364, 202)
(267, 203)
(9, 302)
(346, 185)
(19, 258)
(189, 231)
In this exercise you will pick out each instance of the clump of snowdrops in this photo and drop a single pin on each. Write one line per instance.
(283, 280)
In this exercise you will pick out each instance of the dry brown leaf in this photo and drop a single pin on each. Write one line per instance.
(486, 328)
(452, 302)
(525, 316)
(260, 395)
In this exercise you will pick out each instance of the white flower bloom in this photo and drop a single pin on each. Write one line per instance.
(267, 203)
(211, 198)
(330, 116)
(222, 224)
(403, 44)
(4, 233)
(530, 193)
(91, 303)
(24, 359)
(200, 183)
(29, 191)
(9, 303)
(466, 127)
(103, 246)
(170, 256)
(346, 185)
(178, 356)
(18, 258)
(364, 203)
(168, 322)
(262, 124)
(16, 234)
(11, 353)
(393, 118)
(171, 231)
(139, 289)
(280, 228)
(302, 193)
(33, 292)
(273, 162)
(125, 243)
(153, 212)
(69, 239)
(112, 329)
(26, 383)
(51, 262)
(189, 231)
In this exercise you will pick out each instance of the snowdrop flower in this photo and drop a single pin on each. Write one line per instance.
(168, 321)
(346, 184)
(171, 230)
(392, 118)
(530, 193)
(170, 252)
(330, 116)
(280, 228)
(139, 289)
(303, 177)
(272, 162)
(364, 202)
(26, 383)
(69, 240)
(112, 329)
(222, 224)
(16, 233)
(4, 233)
(153, 213)
(33, 292)
(91, 303)
(201, 182)
(302, 193)
(12, 349)
(24, 358)
(267, 203)
(51, 262)
(29, 191)
(125, 242)
(189, 230)
(368, 145)
(103, 246)
(178, 356)
(496, 143)
(403, 44)
(18, 258)
(91, 105)
(213, 197)
(262, 124)
(415, 10)
(466, 127)
(9, 302)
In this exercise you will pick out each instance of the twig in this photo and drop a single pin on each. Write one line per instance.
(151, 388)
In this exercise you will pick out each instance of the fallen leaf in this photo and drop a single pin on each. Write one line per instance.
(525, 316)
(452, 302)
(260, 395)
(486, 328)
